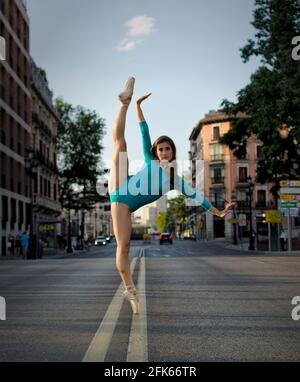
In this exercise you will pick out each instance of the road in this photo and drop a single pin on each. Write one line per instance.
(200, 302)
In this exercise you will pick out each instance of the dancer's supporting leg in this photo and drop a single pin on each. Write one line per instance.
(121, 215)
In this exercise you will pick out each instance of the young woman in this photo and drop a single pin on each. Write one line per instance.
(156, 177)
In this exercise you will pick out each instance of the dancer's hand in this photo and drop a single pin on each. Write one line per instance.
(227, 208)
(141, 99)
(223, 213)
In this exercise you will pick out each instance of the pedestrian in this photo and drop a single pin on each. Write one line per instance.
(283, 240)
(11, 245)
(18, 245)
(25, 244)
(159, 157)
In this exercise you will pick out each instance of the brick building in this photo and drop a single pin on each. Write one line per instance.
(225, 176)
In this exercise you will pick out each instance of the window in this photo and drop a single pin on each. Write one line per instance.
(21, 212)
(242, 174)
(261, 198)
(4, 217)
(13, 212)
(54, 192)
(259, 152)
(216, 133)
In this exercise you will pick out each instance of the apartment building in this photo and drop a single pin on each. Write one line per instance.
(225, 176)
(46, 207)
(15, 120)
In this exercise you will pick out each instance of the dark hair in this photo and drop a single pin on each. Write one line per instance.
(161, 139)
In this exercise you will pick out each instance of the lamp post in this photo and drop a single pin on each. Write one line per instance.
(31, 162)
(67, 202)
(233, 199)
(250, 192)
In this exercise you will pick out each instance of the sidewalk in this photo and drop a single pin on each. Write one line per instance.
(48, 253)
(244, 247)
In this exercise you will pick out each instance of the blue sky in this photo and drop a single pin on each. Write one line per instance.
(185, 52)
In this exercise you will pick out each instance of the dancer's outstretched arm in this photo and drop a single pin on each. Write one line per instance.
(190, 192)
(139, 112)
(144, 128)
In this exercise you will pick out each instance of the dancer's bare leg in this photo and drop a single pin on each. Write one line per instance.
(121, 215)
(119, 166)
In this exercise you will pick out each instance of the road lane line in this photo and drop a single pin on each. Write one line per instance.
(259, 261)
(101, 341)
(138, 339)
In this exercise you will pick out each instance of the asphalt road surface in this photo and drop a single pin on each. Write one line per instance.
(199, 302)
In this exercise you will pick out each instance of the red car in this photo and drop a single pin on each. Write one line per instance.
(166, 237)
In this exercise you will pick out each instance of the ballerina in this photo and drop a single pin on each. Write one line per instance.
(156, 177)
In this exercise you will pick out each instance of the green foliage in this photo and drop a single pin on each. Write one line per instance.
(161, 222)
(271, 99)
(80, 134)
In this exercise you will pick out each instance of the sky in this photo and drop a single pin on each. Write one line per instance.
(184, 52)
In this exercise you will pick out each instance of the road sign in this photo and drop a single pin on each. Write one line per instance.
(242, 220)
(272, 216)
(233, 221)
(292, 204)
(289, 183)
(287, 197)
(289, 190)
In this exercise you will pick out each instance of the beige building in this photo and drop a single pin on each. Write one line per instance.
(225, 176)
(149, 212)
(46, 207)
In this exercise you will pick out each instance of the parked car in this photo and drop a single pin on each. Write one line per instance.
(166, 237)
(108, 239)
(100, 240)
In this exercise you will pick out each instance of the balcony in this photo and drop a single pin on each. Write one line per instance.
(217, 180)
(217, 157)
(42, 201)
(264, 205)
(242, 204)
(242, 181)
(45, 162)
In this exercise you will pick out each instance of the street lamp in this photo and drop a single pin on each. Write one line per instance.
(31, 162)
(233, 200)
(250, 192)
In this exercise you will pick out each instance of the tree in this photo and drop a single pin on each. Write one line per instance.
(80, 134)
(176, 211)
(270, 102)
(161, 221)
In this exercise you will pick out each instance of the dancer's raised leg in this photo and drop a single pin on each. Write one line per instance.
(119, 167)
(121, 215)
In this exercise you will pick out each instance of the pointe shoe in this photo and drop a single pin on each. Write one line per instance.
(126, 95)
(131, 296)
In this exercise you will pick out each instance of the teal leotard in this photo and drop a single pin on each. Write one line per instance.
(151, 182)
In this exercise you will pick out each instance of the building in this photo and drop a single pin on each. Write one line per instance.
(46, 207)
(225, 176)
(150, 211)
(15, 120)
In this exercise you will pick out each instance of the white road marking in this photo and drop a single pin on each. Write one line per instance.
(259, 261)
(102, 339)
(138, 340)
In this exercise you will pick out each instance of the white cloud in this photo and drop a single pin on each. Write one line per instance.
(140, 26)
(126, 44)
(137, 27)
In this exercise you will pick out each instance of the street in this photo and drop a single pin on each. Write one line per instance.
(199, 302)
